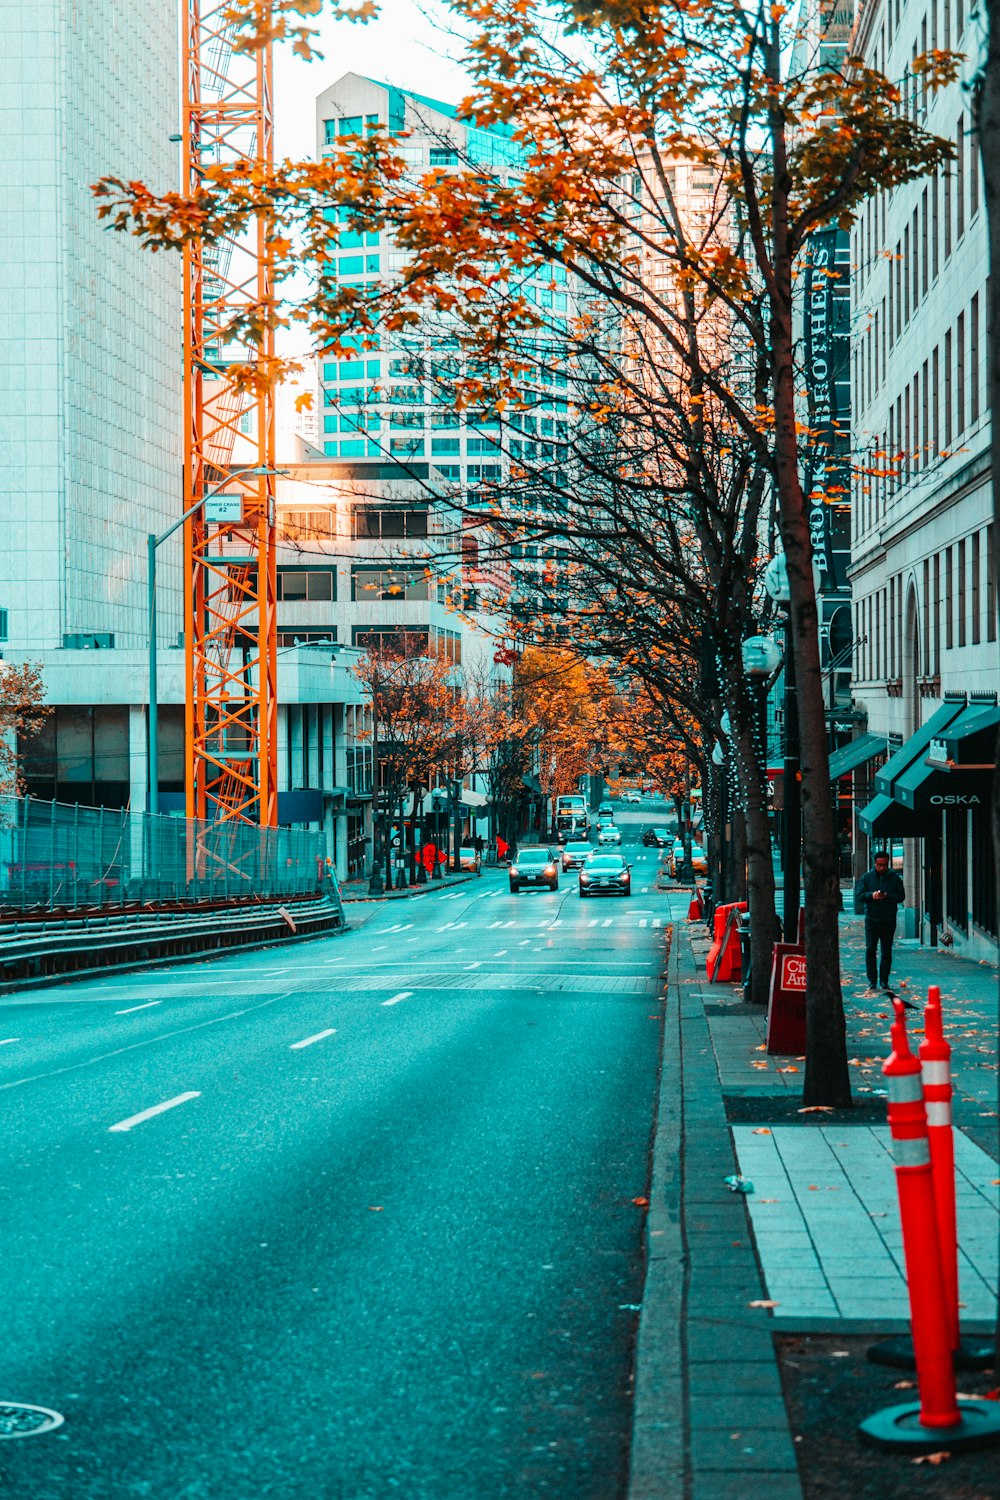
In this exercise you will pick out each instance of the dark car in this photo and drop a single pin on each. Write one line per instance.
(605, 875)
(575, 854)
(535, 865)
(657, 838)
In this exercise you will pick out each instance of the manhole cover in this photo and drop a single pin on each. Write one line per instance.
(17, 1420)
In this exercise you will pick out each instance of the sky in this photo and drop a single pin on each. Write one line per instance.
(410, 45)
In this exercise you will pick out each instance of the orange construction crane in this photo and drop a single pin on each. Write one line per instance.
(229, 560)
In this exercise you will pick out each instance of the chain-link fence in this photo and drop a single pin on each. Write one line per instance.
(57, 855)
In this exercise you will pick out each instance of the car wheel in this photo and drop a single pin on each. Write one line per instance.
(514, 888)
(554, 886)
(584, 895)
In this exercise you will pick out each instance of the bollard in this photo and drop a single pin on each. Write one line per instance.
(935, 1069)
(938, 1420)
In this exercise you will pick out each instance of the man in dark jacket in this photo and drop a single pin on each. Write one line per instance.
(879, 895)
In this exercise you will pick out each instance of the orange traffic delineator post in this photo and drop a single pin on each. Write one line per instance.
(935, 1071)
(938, 1420)
(696, 906)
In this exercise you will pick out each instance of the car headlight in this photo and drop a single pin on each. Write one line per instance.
(514, 870)
(550, 869)
(584, 879)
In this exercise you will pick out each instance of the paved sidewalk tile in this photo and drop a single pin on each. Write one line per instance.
(826, 1221)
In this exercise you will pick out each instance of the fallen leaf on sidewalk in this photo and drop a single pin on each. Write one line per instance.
(815, 1109)
(792, 1069)
(641, 1202)
(761, 1048)
(758, 1065)
(762, 1130)
(904, 1385)
(768, 1200)
(763, 1302)
(933, 1458)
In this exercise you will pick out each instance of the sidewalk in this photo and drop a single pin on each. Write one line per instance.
(816, 1243)
(357, 890)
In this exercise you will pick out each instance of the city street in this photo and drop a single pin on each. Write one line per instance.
(351, 1219)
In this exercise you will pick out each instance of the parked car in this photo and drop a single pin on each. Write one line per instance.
(675, 860)
(575, 854)
(657, 838)
(535, 864)
(605, 875)
(468, 859)
(607, 833)
(631, 797)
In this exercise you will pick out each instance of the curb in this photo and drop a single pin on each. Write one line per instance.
(417, 890)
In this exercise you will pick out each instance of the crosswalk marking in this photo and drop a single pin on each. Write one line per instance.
(496, 924)
(592, 922)
(607, 922)
(657, 921)
(643, 922)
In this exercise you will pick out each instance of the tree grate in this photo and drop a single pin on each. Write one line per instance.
(17, 1420)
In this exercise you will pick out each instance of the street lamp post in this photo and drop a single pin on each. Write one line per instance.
(776, 583)
(437, 797)
(153, 541)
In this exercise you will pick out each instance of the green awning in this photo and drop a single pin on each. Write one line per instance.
(883, 818)
(916, 746)
(850, 757)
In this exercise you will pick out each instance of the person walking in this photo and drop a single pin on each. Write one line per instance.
(878, 895)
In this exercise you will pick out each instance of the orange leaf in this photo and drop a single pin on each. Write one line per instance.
(763, 1302)
(933, 1458)
(641, 1202)
(763, 1130)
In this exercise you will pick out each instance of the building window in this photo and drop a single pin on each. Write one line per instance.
(948, 410)
(292, 635)
(443, 156)
(307, 525)
(306, 584)
(3, 624)
(936, 405)
(976, 562)
(391, 640)
(974, 360)
(369, 584)
(960, 177)
(947, 214)
(375, 523)
(960, 376)
(991, 588)
(936, 621)
(949, 598)
(961, 593)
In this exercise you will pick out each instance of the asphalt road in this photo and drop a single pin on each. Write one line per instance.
(343, 1220)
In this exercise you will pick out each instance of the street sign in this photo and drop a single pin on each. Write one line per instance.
(223, 508)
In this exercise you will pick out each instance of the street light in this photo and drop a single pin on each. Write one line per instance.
(438, 795)
(153, 541)
(777, 585)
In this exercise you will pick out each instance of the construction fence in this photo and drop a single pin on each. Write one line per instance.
(58, 855)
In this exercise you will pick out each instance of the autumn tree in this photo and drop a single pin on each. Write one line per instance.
(23, 711)
(596, 94)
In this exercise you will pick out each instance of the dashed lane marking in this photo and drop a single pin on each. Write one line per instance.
(476, 965)
(145, 1006)
(157, 1109)
(607, 921)
(9, 1040)
(308, 1041)
(403, 995)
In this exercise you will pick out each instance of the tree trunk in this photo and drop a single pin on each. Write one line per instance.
(738, 855)
(827, 1078)
(764, 928)
(987, 110)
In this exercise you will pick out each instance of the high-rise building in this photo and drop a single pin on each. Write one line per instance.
(90, 324)
(925, 614)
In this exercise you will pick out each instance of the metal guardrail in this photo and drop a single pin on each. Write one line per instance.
(60, 856)
(35, 953)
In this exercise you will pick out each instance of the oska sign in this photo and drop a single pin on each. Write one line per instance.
(956, 799)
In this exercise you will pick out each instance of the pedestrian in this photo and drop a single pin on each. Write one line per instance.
(478, 845)
(878, 895)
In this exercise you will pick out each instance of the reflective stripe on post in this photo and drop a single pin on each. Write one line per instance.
(929, 1319)
(935, 1068)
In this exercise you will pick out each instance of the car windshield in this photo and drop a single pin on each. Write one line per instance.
(605, 862)
(577, 848)
(661, 833)
(533, 857)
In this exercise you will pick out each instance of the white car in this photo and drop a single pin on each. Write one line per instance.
(630, 797)
(609, 834)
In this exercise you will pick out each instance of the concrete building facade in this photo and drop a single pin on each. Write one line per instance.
(925, 615)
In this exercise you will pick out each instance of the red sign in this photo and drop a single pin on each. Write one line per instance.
(793, 971)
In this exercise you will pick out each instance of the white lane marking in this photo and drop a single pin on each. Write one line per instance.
(476, 965)
(401, 927)
(496, 924)
(308, 1041)
(524, 942)
(128, 1011)
(445, 927)
(657, 921)
(403, 995)
(607, 921)
(381, 948)
(592, 922)
(157, 1109)
(457, 925)
(500, 953)
(340, 960)
(643, 921)
(509, 924)
(645, 890)
(7, 1040)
